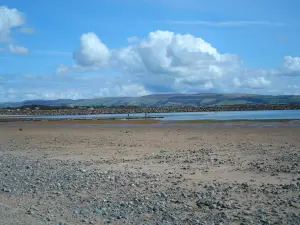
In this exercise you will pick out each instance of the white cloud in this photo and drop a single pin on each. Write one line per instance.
(62, 69)
(292, 89)
(258, 82)
(17, 49)
(20, 92)
(236, 82)
(58, 94)
(91, 51)
(223, 23)
(291, 63)
(122, 90)
(133, 90)
(13, 94)
(246, 80)
(9, 19)
(163, 57)
(166, 56)
(168, 62)
(208, 85)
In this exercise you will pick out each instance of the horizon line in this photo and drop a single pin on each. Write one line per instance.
(205, 93)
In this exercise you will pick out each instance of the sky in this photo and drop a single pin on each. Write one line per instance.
(68, 49)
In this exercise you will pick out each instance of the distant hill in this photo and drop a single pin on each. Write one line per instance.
(167, 100)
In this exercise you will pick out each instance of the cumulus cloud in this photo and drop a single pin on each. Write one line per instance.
(208, 85)
(9, 19)
(12, 19)
(291, 63)
(258, 82)
(167, 53)
(91, 51)
(17, 49)
(165, 61)
(162, 57)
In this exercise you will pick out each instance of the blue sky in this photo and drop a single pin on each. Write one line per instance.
(84, 49)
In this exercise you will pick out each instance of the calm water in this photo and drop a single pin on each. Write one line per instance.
(225, 115)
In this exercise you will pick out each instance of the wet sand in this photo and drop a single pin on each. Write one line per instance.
(164, 175)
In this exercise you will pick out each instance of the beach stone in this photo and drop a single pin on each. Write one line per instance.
(100, 211)
(84, 212)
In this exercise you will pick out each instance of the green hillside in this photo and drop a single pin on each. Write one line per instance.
(167, 100)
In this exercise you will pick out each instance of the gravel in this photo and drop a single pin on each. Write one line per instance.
(63, 192)
(42, 189)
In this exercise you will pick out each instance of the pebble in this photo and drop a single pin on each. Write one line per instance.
(100, 211)
(67, 187)
(84, 212)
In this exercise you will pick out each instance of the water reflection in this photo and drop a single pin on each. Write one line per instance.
(224, 115)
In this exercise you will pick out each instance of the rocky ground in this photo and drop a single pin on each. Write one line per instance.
(147, 175)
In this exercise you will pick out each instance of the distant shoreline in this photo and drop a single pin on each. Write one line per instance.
(139, 121)
(65, 111)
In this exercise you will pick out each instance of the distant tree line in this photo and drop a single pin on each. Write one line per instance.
(42, 107)
(191, 107)
(48, 107)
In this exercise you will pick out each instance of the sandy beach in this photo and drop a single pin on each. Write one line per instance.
(149, 175)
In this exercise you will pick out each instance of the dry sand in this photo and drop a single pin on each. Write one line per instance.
(149, 175)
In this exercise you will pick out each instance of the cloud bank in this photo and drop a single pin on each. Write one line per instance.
(162, 62)
(172, 62)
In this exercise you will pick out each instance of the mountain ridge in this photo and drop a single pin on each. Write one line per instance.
(175, 99)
